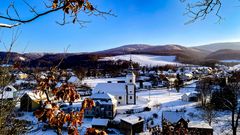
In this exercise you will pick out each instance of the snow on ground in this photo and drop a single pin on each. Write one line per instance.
(236, 67)
(164, 99)
(146, 60)
(159, 100)
(230, 61)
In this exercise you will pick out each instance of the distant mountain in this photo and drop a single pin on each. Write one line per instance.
(220, 46)
(217, 51)
(182, 53)
(126, 49)
(177, 50)
(11, 57)
(225, 54)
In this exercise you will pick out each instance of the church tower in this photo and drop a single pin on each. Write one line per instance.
(130, 77)
(131, 85)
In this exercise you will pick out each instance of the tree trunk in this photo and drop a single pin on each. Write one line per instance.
(234, 128)
(46, 95)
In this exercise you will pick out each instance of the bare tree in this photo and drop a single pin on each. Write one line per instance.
(69, 8)
(231, 102)
(199, 10)
(208, 113)
(8, 122)
(204, 87)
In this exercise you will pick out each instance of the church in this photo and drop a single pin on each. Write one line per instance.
(125, 93)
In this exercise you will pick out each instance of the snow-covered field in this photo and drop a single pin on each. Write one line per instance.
(146, 60)
(236, 67)
(230, 61)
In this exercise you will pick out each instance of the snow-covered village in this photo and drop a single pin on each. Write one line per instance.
(172, 98)
(119, 67)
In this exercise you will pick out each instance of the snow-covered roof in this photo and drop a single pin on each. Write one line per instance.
(104, 98)
(5, 65)
(99, 122)
(111, 88)
(171, 79)
(198, 124)
(11, 87)
(173, 116)
(132, 119)
(36, 96)
(193, 93)
(100, 95)
(143, 78)
(73, 79)
(6, 93)
(147, 83)
(59, 84)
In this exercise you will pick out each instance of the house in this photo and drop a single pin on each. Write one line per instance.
(8, 92)
(22, 75)
(187, 76)
(125, 93)
(147, 85)
(199, 128)
(100, 124)
(131, 125)
(174, 122)
(84, 91)
(31, 101)
(169, 81)
(105, 106)
(190, 97)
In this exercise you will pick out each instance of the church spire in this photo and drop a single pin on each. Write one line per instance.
(130, 65)
(130, 77)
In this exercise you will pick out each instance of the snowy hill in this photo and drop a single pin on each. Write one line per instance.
(146, 60)
(219, 46)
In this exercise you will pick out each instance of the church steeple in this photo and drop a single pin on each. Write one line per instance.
(130, 68)
(130, 77)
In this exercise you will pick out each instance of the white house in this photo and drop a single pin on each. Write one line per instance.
(9, 92)
(191, 96)
(125, 93)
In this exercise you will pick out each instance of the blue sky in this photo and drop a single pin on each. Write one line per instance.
(155, 22)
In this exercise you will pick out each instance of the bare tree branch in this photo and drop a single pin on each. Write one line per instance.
(72, 8)
(201, 9)
(8, 25)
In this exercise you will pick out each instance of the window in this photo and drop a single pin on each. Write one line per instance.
(118, 102)
(130, 97)
(8, 89)
(109, 113)
(130, 80)
(120, 97)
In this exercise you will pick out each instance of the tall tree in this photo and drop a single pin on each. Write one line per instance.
(231, 102)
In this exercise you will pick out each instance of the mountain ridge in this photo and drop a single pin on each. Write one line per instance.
(183, 54)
